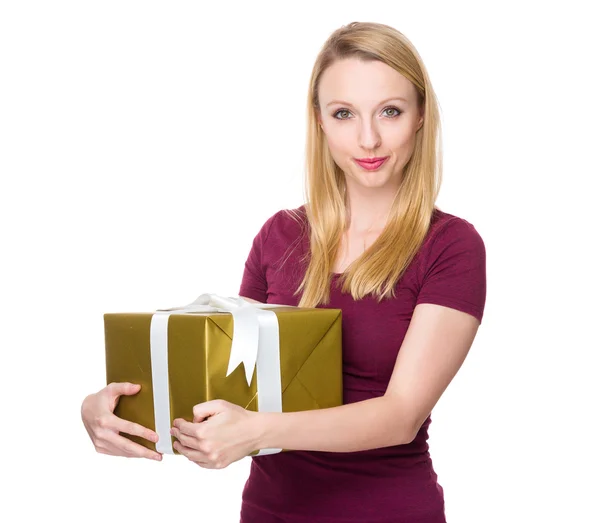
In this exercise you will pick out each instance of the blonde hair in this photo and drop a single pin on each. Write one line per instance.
(378, 269)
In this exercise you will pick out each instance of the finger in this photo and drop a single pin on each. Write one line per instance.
(207, 409)
(123, 388)
(109, 432)
(135, 429)
(109, 447)
(184, 439)
(130, 448)
(115, 449)
(116, 424)
(135, 450)
(193, 455)
(191, 429)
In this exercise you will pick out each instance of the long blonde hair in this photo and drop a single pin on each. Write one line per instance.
(378, 269)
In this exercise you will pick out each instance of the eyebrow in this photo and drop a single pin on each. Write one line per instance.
(347, 103)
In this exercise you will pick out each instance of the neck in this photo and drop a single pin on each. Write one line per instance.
(368, 209)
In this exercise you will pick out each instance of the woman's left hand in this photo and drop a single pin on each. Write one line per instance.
(229, 434)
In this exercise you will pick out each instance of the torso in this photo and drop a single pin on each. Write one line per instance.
(398, 481)
(351, 247)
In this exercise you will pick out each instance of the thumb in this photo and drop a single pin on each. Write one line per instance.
(206, 410)
(125, 388)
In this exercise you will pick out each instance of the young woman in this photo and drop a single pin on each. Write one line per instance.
(409, 278)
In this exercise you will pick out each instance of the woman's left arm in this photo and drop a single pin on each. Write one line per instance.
(435, 346)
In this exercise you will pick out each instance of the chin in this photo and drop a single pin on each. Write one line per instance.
(381, 174)
(372, 183)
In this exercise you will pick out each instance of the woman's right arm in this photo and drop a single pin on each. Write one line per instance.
(103, 426)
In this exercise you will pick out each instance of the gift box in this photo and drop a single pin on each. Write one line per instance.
(263, 357)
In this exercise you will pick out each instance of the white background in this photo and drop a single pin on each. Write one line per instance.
(142, 146)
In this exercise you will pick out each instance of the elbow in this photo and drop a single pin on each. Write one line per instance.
(408, 435)
(406, 426)
(407, 432)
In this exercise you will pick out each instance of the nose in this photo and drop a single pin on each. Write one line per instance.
(369, 137)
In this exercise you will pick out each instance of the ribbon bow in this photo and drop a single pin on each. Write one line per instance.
(245, 342)
(255, 343)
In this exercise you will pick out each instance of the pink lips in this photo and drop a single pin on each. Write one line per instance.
(371, 164)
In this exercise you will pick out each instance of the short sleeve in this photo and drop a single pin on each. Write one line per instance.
(455, 271)
(254, 282)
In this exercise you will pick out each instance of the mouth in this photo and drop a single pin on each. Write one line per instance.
(371, 164)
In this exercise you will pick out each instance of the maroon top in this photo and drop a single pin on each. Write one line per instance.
(388, 485)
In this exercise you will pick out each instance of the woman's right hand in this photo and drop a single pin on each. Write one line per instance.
(103, 426)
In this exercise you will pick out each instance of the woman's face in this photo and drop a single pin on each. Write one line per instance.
(367, 110)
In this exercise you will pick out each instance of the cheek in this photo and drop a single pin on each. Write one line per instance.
(399, 136)
(338, 144)
(402, 141)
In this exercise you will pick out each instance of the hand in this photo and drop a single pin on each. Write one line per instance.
(103, 426)
(229, 434)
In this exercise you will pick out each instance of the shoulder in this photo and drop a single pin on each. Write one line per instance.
(284, 226)
(453, 269)
(451, 241)
(447, 228)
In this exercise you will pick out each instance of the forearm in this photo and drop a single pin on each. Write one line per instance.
(368, 424)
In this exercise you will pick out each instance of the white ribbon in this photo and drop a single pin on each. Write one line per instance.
(255, 343)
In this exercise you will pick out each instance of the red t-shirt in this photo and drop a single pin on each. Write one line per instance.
(388, 485)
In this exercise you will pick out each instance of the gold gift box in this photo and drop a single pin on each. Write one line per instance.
(199, 347)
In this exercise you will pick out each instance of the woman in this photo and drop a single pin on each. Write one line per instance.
(410, 280)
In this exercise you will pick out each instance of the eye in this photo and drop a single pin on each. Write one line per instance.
(392, 109)
(335, 115)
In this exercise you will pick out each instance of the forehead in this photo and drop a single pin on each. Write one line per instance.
(358, 81)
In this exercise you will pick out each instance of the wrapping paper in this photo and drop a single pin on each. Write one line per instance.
(201, 367)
